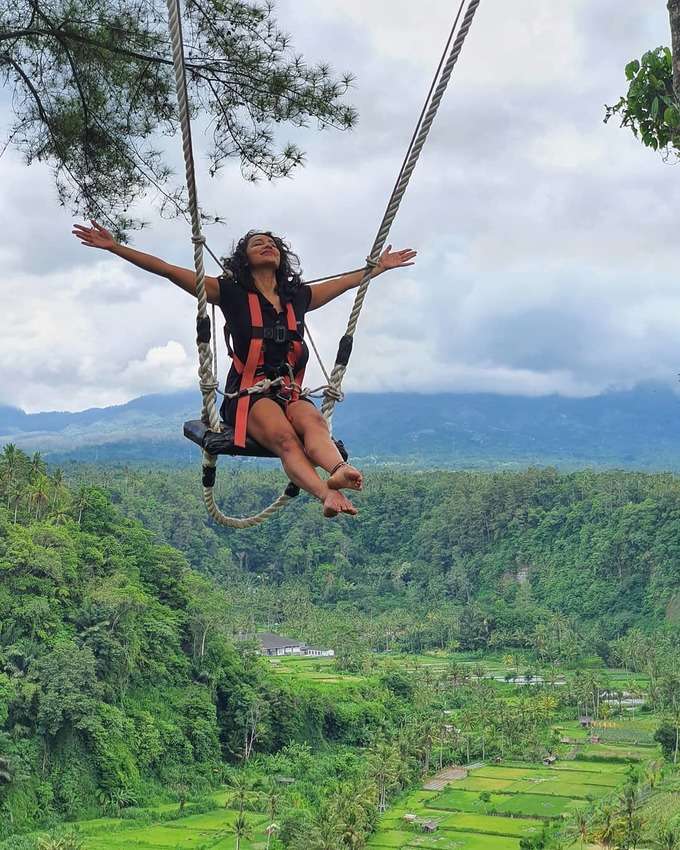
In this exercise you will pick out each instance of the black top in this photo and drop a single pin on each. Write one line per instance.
(234, 305)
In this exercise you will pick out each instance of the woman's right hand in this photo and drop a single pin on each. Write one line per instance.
(95, 236)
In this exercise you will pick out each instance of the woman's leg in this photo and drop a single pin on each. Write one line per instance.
(312, 429)
(268, 425)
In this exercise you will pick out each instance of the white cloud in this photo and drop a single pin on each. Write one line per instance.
(163, 367)
(548, 245)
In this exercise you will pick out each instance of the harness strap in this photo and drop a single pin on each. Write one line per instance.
(255, 358)
(295, 353)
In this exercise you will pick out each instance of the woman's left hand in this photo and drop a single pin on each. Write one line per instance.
(390, 259)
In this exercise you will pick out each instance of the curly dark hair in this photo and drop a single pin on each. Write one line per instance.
(288, 278)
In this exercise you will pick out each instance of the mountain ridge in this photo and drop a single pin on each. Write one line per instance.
(635, 428)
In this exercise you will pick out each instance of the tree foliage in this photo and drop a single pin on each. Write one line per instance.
(651, 107)
(92, 90)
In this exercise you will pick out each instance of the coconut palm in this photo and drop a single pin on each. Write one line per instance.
(326, 835)
(36, 467)
(240, 829)
(38, 493)
(81, 503)
(582, 819)
(11, 461)
(271, 795)
(240, 791)
(607, 827)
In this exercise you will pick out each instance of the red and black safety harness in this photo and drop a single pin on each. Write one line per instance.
(290, 381)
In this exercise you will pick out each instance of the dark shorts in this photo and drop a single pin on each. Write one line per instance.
(228, 409)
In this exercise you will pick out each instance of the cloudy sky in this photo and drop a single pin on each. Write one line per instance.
(548, 242)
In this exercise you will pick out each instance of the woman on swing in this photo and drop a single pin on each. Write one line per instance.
(294, 430)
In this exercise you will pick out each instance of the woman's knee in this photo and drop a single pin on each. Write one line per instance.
(285, 442)
(315, 428)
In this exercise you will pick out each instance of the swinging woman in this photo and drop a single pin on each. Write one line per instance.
(293, 429)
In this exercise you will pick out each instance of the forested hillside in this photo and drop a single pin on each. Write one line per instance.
(439, 557)
(119, 679)
(122, 684)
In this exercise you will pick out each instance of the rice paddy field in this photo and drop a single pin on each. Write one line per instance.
(492, 808)
(193, 832)
(493, 665)
(519, 799)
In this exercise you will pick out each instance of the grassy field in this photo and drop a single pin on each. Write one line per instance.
(493, 665)
(521, 798)
(193, 832)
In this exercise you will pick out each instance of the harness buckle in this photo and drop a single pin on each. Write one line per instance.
(280, 334)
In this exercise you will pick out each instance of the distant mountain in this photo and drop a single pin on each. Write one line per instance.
(635, 429)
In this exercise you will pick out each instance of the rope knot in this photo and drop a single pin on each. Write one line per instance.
(199, 240)
(209, 386)
(334, 394)
(371, 263)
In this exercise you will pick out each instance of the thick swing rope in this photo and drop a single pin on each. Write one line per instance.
(207, 370)
(410, 162)
(207, 378)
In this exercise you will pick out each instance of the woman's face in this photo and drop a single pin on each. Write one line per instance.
(262, 252)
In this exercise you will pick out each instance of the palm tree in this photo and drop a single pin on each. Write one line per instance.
(240, 829)
(606, 830)
(272, 796)
(326, 834)
(384, 764)
(37, 467)
(67, 842)
(14, 495)
(11, 461)
(82, 501)
(241, 791)
(582, 824)
(38, 493)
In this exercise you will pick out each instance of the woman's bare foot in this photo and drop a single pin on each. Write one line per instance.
(336, 503)
(346, 478)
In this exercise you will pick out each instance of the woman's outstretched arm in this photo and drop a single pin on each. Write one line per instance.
(98, 237)
(324, 292)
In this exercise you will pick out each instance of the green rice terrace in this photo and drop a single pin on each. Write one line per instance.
(495, 806)
(489, 807)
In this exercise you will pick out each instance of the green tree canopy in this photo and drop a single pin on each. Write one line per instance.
(651, 106)
(92, 89)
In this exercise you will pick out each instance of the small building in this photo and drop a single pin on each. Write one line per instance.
(548, 760)
(275, 646)
(317, 652)
(429, 825)
(595, 739)
(409, 818)
(586, 722)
